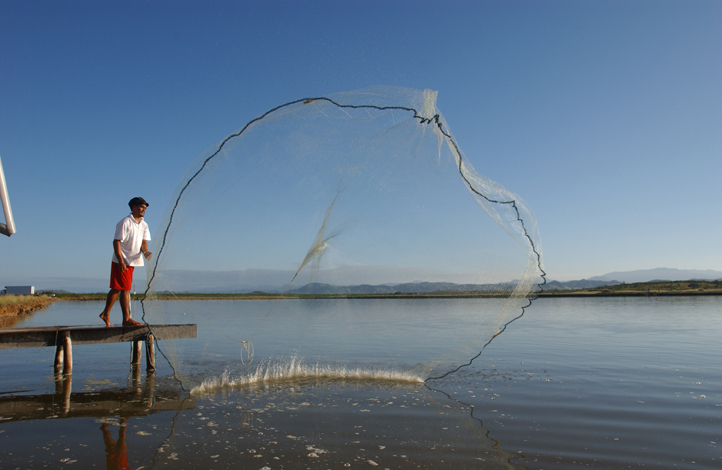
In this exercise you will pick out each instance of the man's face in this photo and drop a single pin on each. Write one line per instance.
(139, 211)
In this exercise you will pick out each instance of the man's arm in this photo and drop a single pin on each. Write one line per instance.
(119, 255)
(144, 250)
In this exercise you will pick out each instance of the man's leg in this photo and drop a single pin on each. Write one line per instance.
(109, 301)
(107, 438)
(122, 446)
(125, 306)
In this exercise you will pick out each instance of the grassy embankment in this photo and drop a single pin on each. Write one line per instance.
(643, 289)
(13, 307)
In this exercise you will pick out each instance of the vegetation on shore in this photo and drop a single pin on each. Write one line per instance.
(635, 289)
(643, 289)
(13, 305)
(273, 296)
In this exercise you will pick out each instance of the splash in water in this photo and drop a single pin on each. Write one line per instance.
(295, 370)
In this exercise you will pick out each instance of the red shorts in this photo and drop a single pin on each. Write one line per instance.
(121, 280)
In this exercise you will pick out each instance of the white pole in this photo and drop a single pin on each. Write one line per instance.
(8, 228)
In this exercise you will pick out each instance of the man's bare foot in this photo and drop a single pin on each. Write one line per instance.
(131, 322)
(106, 320)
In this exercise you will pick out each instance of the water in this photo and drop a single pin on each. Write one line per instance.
(601, 383)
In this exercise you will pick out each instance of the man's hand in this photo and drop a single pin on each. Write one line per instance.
(119, 255)
(144, 250)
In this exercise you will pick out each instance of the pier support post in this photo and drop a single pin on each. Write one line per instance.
(58, 365)
(150, 389)
(135, 373)
(150, 357)
(67, 390)
(135, 352)
(59, 384)
(67, 353)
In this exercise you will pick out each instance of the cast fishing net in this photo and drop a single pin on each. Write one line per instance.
(403, 261)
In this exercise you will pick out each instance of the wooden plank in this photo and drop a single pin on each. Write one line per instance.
(41, 336)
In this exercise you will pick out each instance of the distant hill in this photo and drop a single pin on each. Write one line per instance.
(582, 284)
(646, 289)
(628, 277)
(660, 274)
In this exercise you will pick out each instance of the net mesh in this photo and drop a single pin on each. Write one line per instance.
(343, 199)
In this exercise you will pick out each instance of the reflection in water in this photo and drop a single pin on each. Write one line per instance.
(556, 390)
(320, 423)
(115, 451)
(336, 424)
(62, 426)
(506, 457)
(11, 320)
(137, 400)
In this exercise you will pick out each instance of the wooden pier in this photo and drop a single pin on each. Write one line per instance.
(63, 338)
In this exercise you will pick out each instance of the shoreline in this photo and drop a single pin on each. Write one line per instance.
(641, 289)
(624, 294)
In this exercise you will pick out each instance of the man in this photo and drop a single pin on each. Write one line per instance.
(130, 245)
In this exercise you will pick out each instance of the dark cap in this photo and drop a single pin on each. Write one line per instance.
(137, 201)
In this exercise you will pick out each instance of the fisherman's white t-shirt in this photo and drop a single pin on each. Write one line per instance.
(131, 235)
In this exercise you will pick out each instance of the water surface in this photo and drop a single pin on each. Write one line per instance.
(602, 383)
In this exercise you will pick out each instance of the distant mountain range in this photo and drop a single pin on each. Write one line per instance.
(581, 284)
(660, 274)
(406, 288)
(610, 279)
(644, 275)
(274, 281)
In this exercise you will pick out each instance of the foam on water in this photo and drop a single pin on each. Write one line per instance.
(294, 370)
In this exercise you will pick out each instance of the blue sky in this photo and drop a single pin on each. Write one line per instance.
(605, 117)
